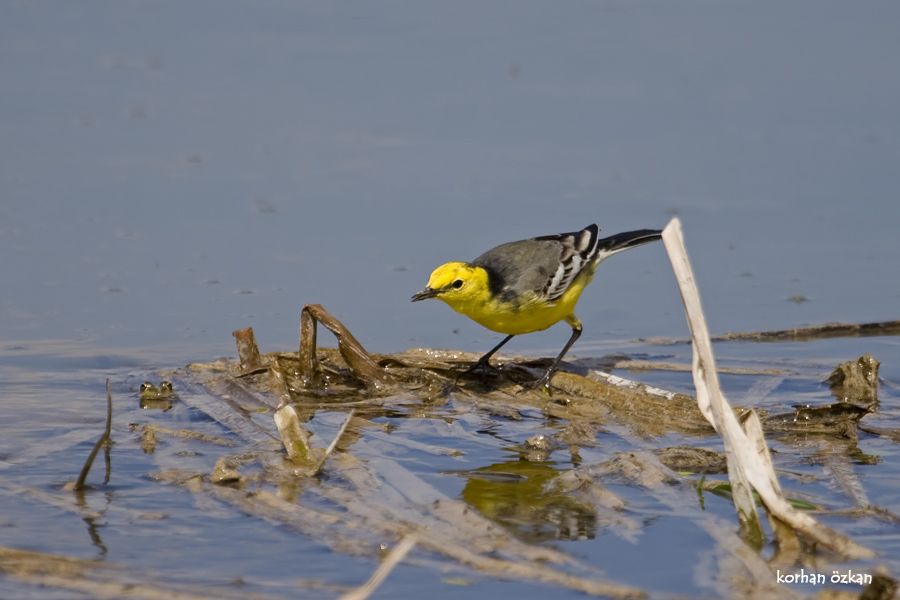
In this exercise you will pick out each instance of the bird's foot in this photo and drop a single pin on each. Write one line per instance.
(481, 366)
(540, 384)
(482, 372)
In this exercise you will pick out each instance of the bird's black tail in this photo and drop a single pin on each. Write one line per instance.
(629, 239)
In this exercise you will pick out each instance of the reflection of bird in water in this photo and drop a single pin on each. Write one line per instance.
(514, 494)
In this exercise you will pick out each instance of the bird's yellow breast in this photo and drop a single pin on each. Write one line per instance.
(525, 314)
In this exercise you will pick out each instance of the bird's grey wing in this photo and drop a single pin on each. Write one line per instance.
(521, 268)
(578, 250)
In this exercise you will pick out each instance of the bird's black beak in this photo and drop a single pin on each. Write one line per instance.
(425, 294)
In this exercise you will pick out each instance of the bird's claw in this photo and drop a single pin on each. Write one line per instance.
(482, 366)
(542, 384)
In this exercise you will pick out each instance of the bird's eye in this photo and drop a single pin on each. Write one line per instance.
(457, 284)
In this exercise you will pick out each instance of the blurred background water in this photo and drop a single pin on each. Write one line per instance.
(172, 171)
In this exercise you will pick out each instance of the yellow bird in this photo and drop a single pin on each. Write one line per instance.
(529, 285)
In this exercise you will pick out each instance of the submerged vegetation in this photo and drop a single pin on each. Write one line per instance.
(555, 483)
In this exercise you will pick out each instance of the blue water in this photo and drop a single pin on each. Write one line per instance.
(171, 172)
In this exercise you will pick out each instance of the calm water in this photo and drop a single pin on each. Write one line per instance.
(170, 172)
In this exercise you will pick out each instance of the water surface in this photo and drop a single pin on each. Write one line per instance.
(170, 172)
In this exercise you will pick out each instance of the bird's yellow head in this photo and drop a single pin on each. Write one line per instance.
(456, 283)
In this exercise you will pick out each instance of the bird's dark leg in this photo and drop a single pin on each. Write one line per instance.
(544, 381)
(485, 361)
